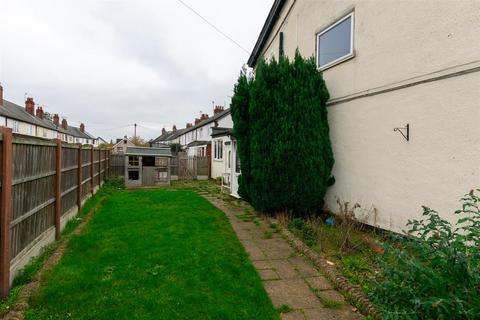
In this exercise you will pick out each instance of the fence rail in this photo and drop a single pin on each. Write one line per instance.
(43, 184)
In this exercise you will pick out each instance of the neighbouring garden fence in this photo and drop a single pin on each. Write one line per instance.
(43, 185)
(117, 165)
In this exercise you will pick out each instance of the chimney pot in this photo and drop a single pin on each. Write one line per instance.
(56, 119)
(218, 109)
(30, 106)
(189, 125)
(82, 128)
(174, 129)
(164, 131)
(64, 124)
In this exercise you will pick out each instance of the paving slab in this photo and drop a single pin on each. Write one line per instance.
(289, 279)
(284, 269)
(319, 283)
(268, 274)
(293, 315)
(253, 250)
(292, 292)
(331, 295)
(304, 267)
(330, 314)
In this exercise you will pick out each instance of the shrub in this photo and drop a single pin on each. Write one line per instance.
(433, 273)
(241, 130)
(281, 125)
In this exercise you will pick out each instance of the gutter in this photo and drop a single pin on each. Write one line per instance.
(267, 28)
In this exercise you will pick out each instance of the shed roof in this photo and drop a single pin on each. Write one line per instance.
(154, 152)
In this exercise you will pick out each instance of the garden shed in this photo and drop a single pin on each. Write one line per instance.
(147, 166)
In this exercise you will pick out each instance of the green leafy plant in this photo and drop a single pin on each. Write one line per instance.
(281, 127)
(299, 226)
(433, 272)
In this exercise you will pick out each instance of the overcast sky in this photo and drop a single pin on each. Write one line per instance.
(112, 63)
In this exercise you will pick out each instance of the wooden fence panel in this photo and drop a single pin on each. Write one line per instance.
(33, 193)
(39, 186)
(69, 181)
(117, 165)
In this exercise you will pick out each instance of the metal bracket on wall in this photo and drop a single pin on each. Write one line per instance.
(404, 131)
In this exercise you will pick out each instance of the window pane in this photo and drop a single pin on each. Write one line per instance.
(335, 43)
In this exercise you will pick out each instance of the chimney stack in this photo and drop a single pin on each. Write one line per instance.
(56, 120)
(64, 124)
(82, 128)
(218, 109)
(39, 112)
(174, 129)
(189, 125)
(30, 106)
(204, 117)
(1, 95)
(164, 131)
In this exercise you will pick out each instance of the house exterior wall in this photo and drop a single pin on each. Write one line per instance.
(45, 133)
(220, 166)
(21, 127)
(226, 121)
(415, 61)
(121, 147)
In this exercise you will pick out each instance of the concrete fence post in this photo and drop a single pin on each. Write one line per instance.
(6, 210)
(58, 188)
(79, 178)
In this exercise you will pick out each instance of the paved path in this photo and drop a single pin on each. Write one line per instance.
(289, 279)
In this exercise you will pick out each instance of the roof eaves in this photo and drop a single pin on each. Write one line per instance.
(267, 28)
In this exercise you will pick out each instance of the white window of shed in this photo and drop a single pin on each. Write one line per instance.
(335, 43)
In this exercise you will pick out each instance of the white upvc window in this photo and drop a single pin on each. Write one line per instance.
(335, 43)
(218, 150)
(15, 126)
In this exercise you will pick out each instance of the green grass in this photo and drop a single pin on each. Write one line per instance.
(26, 274)
(156, 254)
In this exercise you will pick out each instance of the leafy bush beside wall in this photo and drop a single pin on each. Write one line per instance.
(434, 272)
(281, 125)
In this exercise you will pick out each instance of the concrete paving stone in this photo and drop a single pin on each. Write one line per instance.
(331, 295)
(253, 250)
(243, 234)
(275, 248)
(319, 283)
(284, 269)
(262, 264)
(293, 315)
(331, 314)
(304, 267)
(292, 292)
(268, 274)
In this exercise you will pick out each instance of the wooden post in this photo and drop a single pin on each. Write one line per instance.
(107, 158)
(79, 178)
(91, 170)
(58, 188)
(6, 211)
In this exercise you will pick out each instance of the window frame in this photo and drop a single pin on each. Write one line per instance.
(346, 57)
(218, 150)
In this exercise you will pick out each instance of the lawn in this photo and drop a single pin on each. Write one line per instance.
(154, 254)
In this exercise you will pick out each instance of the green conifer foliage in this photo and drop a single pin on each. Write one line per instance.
(283, 136)
(241, 119)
